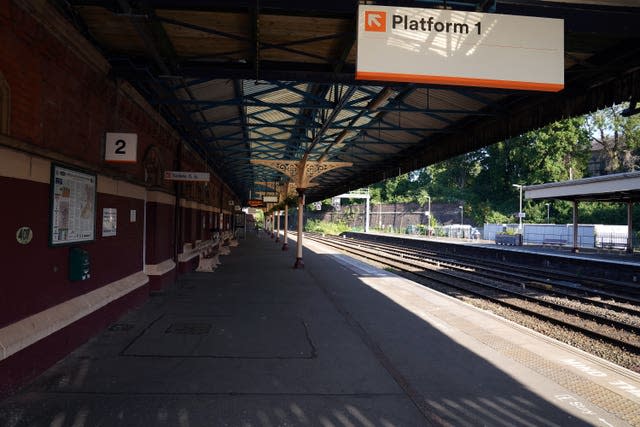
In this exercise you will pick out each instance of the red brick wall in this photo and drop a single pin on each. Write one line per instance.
(62, 106)
(60, 102)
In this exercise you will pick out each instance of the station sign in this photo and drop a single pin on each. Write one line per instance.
(187, 176)
(121, 147)
(256, 203)
(270, 199)
(450, 47)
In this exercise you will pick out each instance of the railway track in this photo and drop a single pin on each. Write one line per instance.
(572, 307)
(560, 282)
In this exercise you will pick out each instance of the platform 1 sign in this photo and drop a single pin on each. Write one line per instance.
(459, 48)
(187, 176)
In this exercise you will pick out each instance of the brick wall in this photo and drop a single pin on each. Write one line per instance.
(62, 101)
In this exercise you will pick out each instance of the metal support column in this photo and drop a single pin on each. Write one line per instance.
(299, 263)
(366, 215)
(277, 214)
(630, 227)
(575, 227)
(285, 245)
(273, 225)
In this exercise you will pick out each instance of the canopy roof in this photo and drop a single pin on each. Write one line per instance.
(243, 80)
(621, 187)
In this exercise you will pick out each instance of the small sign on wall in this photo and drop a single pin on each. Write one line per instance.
(24, 235)
(109, 222)
(121, 147)
(187, 176)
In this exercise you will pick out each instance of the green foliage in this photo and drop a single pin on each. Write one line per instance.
(483, 180)
(617, 136)
(333, 228)
(495, 217)
(259, 217)
(603, 213)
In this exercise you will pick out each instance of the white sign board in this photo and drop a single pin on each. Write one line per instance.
(186, 176)
(121, 147)
(270, 199)
(460, 48)
(109, 222)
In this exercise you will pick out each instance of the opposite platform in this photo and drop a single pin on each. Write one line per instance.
(257, 343)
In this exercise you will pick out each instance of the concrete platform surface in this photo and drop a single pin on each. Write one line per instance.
(340, 343)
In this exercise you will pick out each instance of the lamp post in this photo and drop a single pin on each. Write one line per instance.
(461, 218)
(548, 205)
(520, 211)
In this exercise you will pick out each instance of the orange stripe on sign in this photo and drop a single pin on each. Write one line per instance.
(459, 81)
(120, 161)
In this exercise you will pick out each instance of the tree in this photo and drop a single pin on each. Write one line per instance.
(617, 137)
(552, 153)
(483, 180)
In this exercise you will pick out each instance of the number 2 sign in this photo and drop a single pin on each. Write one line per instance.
(121, 147)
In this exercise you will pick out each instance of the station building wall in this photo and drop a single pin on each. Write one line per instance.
(57, 100)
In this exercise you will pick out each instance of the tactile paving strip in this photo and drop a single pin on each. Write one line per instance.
(598, 395)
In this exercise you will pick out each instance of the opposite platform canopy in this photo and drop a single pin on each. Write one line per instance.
(622, 187)
(275, 80)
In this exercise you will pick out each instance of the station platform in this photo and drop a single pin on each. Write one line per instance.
(594, 254)
(338, 343)
(612, 266)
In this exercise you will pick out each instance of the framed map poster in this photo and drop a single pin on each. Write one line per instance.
(72, 216)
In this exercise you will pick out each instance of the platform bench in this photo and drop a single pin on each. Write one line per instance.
(556, 242)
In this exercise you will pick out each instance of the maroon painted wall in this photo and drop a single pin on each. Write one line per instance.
(160, 233)
(36, 276)
(121, 255)
(29, 282)
(61, 107)
(25, 365)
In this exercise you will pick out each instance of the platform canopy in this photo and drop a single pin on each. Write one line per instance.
(621, 187)
(246, 80)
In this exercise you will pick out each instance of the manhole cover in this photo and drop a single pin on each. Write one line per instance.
(118, 327)
(189, 328)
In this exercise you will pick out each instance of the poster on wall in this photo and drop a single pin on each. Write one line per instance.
(73, 206)
(109, 222)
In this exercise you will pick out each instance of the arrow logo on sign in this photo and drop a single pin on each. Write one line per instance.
(375, 20)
